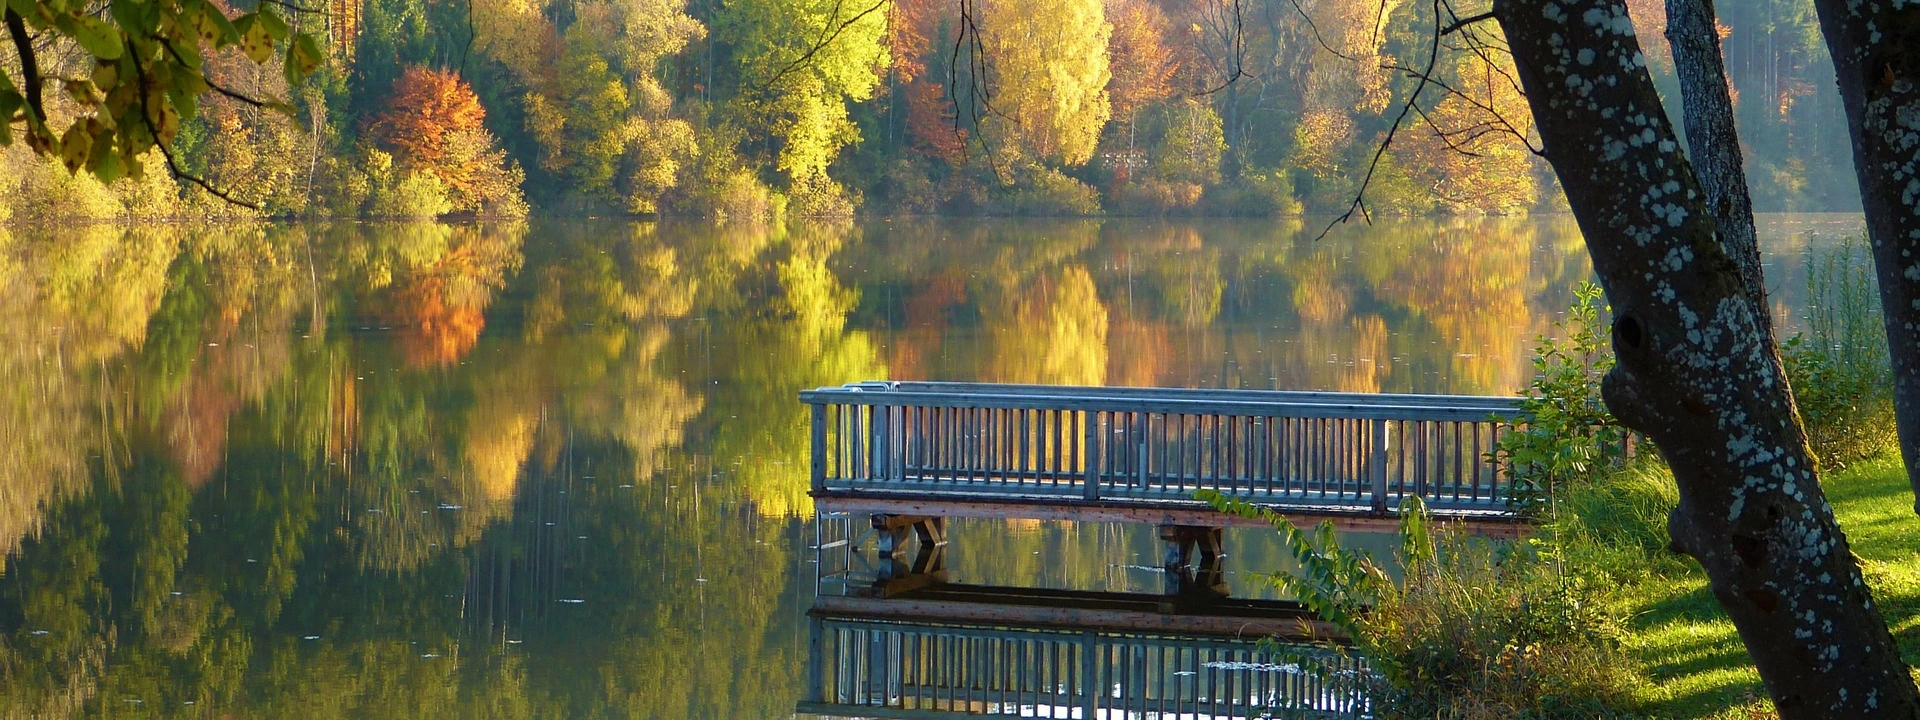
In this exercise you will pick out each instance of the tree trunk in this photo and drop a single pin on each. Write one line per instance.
(1714, 144)
(1696, 374)
(1876, 53)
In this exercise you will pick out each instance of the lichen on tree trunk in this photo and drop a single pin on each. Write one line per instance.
(1714, 143)
(1696, 372)
(1876, 55)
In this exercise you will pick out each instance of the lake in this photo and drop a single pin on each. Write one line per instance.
(558, 469)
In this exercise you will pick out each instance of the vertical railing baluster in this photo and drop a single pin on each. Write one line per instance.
(1378, 470)
(1092, 459)
(1459, 465)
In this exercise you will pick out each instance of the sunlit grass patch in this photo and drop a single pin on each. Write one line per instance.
(1688, 648)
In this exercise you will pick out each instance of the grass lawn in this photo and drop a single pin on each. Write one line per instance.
(1689, 649)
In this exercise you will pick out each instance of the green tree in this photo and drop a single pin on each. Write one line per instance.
(801, 63)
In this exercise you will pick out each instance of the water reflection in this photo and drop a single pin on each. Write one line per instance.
(895, 630)
(558, 469)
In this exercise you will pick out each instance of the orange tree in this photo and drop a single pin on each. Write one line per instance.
(433, 125)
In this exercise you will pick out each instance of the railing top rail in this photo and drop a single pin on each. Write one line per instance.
(1320, 405)
(1312, 396)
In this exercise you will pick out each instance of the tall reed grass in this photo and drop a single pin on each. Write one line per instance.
(1838, 365)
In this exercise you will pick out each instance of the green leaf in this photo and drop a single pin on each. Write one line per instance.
(104, 163)
(186, 100)
(214, 28)
(255, 41)
(10, 102)
(303, 58)
(75, 146)
(276, 27)
(106, 76)
(99, 38)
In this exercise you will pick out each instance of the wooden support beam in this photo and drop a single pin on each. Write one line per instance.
(1144, 617)
(1486, 524)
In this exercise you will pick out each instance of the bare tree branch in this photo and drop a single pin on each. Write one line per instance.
(30, 82)
(211, 84)
(828, 34)
(1314, 29)
(1426, 78)
(1236, 60)
(173, 165)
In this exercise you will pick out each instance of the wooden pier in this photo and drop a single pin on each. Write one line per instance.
(934, 449)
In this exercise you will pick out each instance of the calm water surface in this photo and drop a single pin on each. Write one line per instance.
(558, 469)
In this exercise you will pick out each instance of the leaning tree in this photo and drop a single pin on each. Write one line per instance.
(1697, 369)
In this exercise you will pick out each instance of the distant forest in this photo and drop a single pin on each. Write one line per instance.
(749, 109)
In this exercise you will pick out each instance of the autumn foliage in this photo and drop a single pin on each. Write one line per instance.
(433, 124)
(427, 106)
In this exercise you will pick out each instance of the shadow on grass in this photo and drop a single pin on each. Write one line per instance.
(1692, 656)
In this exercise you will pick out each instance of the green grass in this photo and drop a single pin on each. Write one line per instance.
(1693, 658)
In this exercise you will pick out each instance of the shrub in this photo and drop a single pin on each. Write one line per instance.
(820, 197)
(1475, 630)
(741, 197)
(1153, 196)
(1839, 370)
(1253, 195)
(1041, 190)
(48, 192)
(418, 195)
(1568, 434)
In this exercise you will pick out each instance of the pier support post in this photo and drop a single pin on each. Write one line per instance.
(1189, 582)
(819, 447)
(897, 574)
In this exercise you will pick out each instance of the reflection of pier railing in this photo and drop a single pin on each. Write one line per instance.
(935, 669)
(889, 638)
(1329, 453)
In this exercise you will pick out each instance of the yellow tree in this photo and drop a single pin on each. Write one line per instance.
(1049, 73)
(1472, 153)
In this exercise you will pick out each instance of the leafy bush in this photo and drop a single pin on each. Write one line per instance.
(739, 196)
(1568, 434)
(1041, 190)
(45, 191)
(1153, 196)
(1839, 370)
(820, 197)
(1264, 194)
(1475, 630)
(906, 187)
(418, 195)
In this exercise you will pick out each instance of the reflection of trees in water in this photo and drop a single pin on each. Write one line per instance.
(1409, 305)
(674, 605)
(362, 500)
(72, 302)
(433, 283)
(1049, 329)
(790, 335)
(269, 470)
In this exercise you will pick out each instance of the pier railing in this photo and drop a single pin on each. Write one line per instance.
(1349, 451)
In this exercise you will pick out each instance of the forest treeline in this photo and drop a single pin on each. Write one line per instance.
(762, 108)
